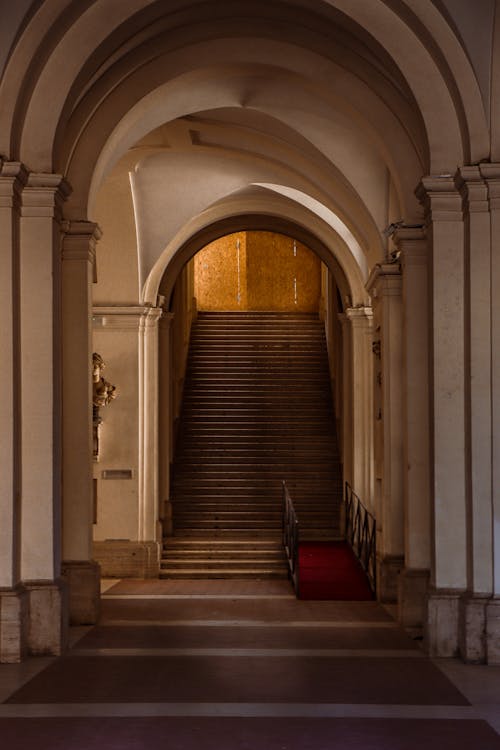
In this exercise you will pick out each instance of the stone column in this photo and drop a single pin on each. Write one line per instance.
(414, 578)
(40, 332)
(13, 598)
(149, 511)
(445, 232)
(346, 441)
(81, 572)
(384, 287)
(478, 414)
(165, 421)
(491, 173)
(360, 319)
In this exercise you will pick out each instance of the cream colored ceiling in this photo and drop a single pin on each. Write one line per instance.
(327, 113)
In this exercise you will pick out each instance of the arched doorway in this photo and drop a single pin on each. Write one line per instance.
(262, 303)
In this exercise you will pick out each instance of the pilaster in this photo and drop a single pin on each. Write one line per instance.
(491, 175)
(149, 511)
(41, 203)
(78, 259)
(12, 179)
(445, 233)
(165, 421)
(384, 287)
(414, 579)
(13, 600)
(474, 192)
(346, 442)
(360, 319)
(128, 533)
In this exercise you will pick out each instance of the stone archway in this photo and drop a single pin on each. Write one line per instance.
(404, 102)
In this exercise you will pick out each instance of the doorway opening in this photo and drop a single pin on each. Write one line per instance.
(262, 375)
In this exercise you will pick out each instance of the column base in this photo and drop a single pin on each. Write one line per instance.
(388, 570)
(493, 631)
(48, 617)
(84, 590)
(413, 585)
(124, 559)
(441, 624)
(14, 606)
(472, 628)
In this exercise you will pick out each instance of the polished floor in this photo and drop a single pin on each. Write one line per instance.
(239, 665)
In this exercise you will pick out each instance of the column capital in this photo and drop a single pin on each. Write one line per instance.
(121, 317)
(491, 175)
(490, 170)
(43, 195)
(13, 177)
(79, 240)
(473, 189)
(151, 316)
(385, 279)
(412, 246)
(359, 316)
(440, 198)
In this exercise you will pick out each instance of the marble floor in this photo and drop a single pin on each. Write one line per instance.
(239, 665)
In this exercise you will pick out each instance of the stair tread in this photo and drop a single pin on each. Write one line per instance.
(257, 409)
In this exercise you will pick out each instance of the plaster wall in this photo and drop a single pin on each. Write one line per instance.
(117, 266)
(117, 499)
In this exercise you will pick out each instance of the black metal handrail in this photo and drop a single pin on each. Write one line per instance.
(291, 537)
(360, 528)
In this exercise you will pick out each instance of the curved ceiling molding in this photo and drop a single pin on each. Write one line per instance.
(335, 108)
(257, 208)
(411, 46)
(329, 217)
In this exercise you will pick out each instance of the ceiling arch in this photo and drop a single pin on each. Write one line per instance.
(406, 44)
(337, 107)
(257, 208)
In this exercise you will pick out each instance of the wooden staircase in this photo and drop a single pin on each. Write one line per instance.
(257, 410)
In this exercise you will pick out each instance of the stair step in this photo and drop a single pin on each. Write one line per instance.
(241, 564)
(225, 573)
(257, 409)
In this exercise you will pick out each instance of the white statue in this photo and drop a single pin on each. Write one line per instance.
(103, 391)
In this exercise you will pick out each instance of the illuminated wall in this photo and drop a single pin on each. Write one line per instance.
(257, 271)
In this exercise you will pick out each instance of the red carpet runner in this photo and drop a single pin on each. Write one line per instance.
(330, 570)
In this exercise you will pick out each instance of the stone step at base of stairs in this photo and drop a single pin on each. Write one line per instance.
(172, 564)
(226, 573)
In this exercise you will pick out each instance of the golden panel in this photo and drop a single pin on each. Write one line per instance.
(257, 271)
(282, 274)
(220, 274)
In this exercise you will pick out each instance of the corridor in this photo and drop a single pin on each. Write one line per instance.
(233, 665)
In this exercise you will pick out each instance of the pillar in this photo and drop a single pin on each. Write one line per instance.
(491, 174)
(81, 572)
(149, 511)
(360, 320)
(474, 193)
(445, 233)
(346, 440)
(384, 287)
(165, 426)
(127, 535)
(40, 333)
(414, 578)
(13, 597)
